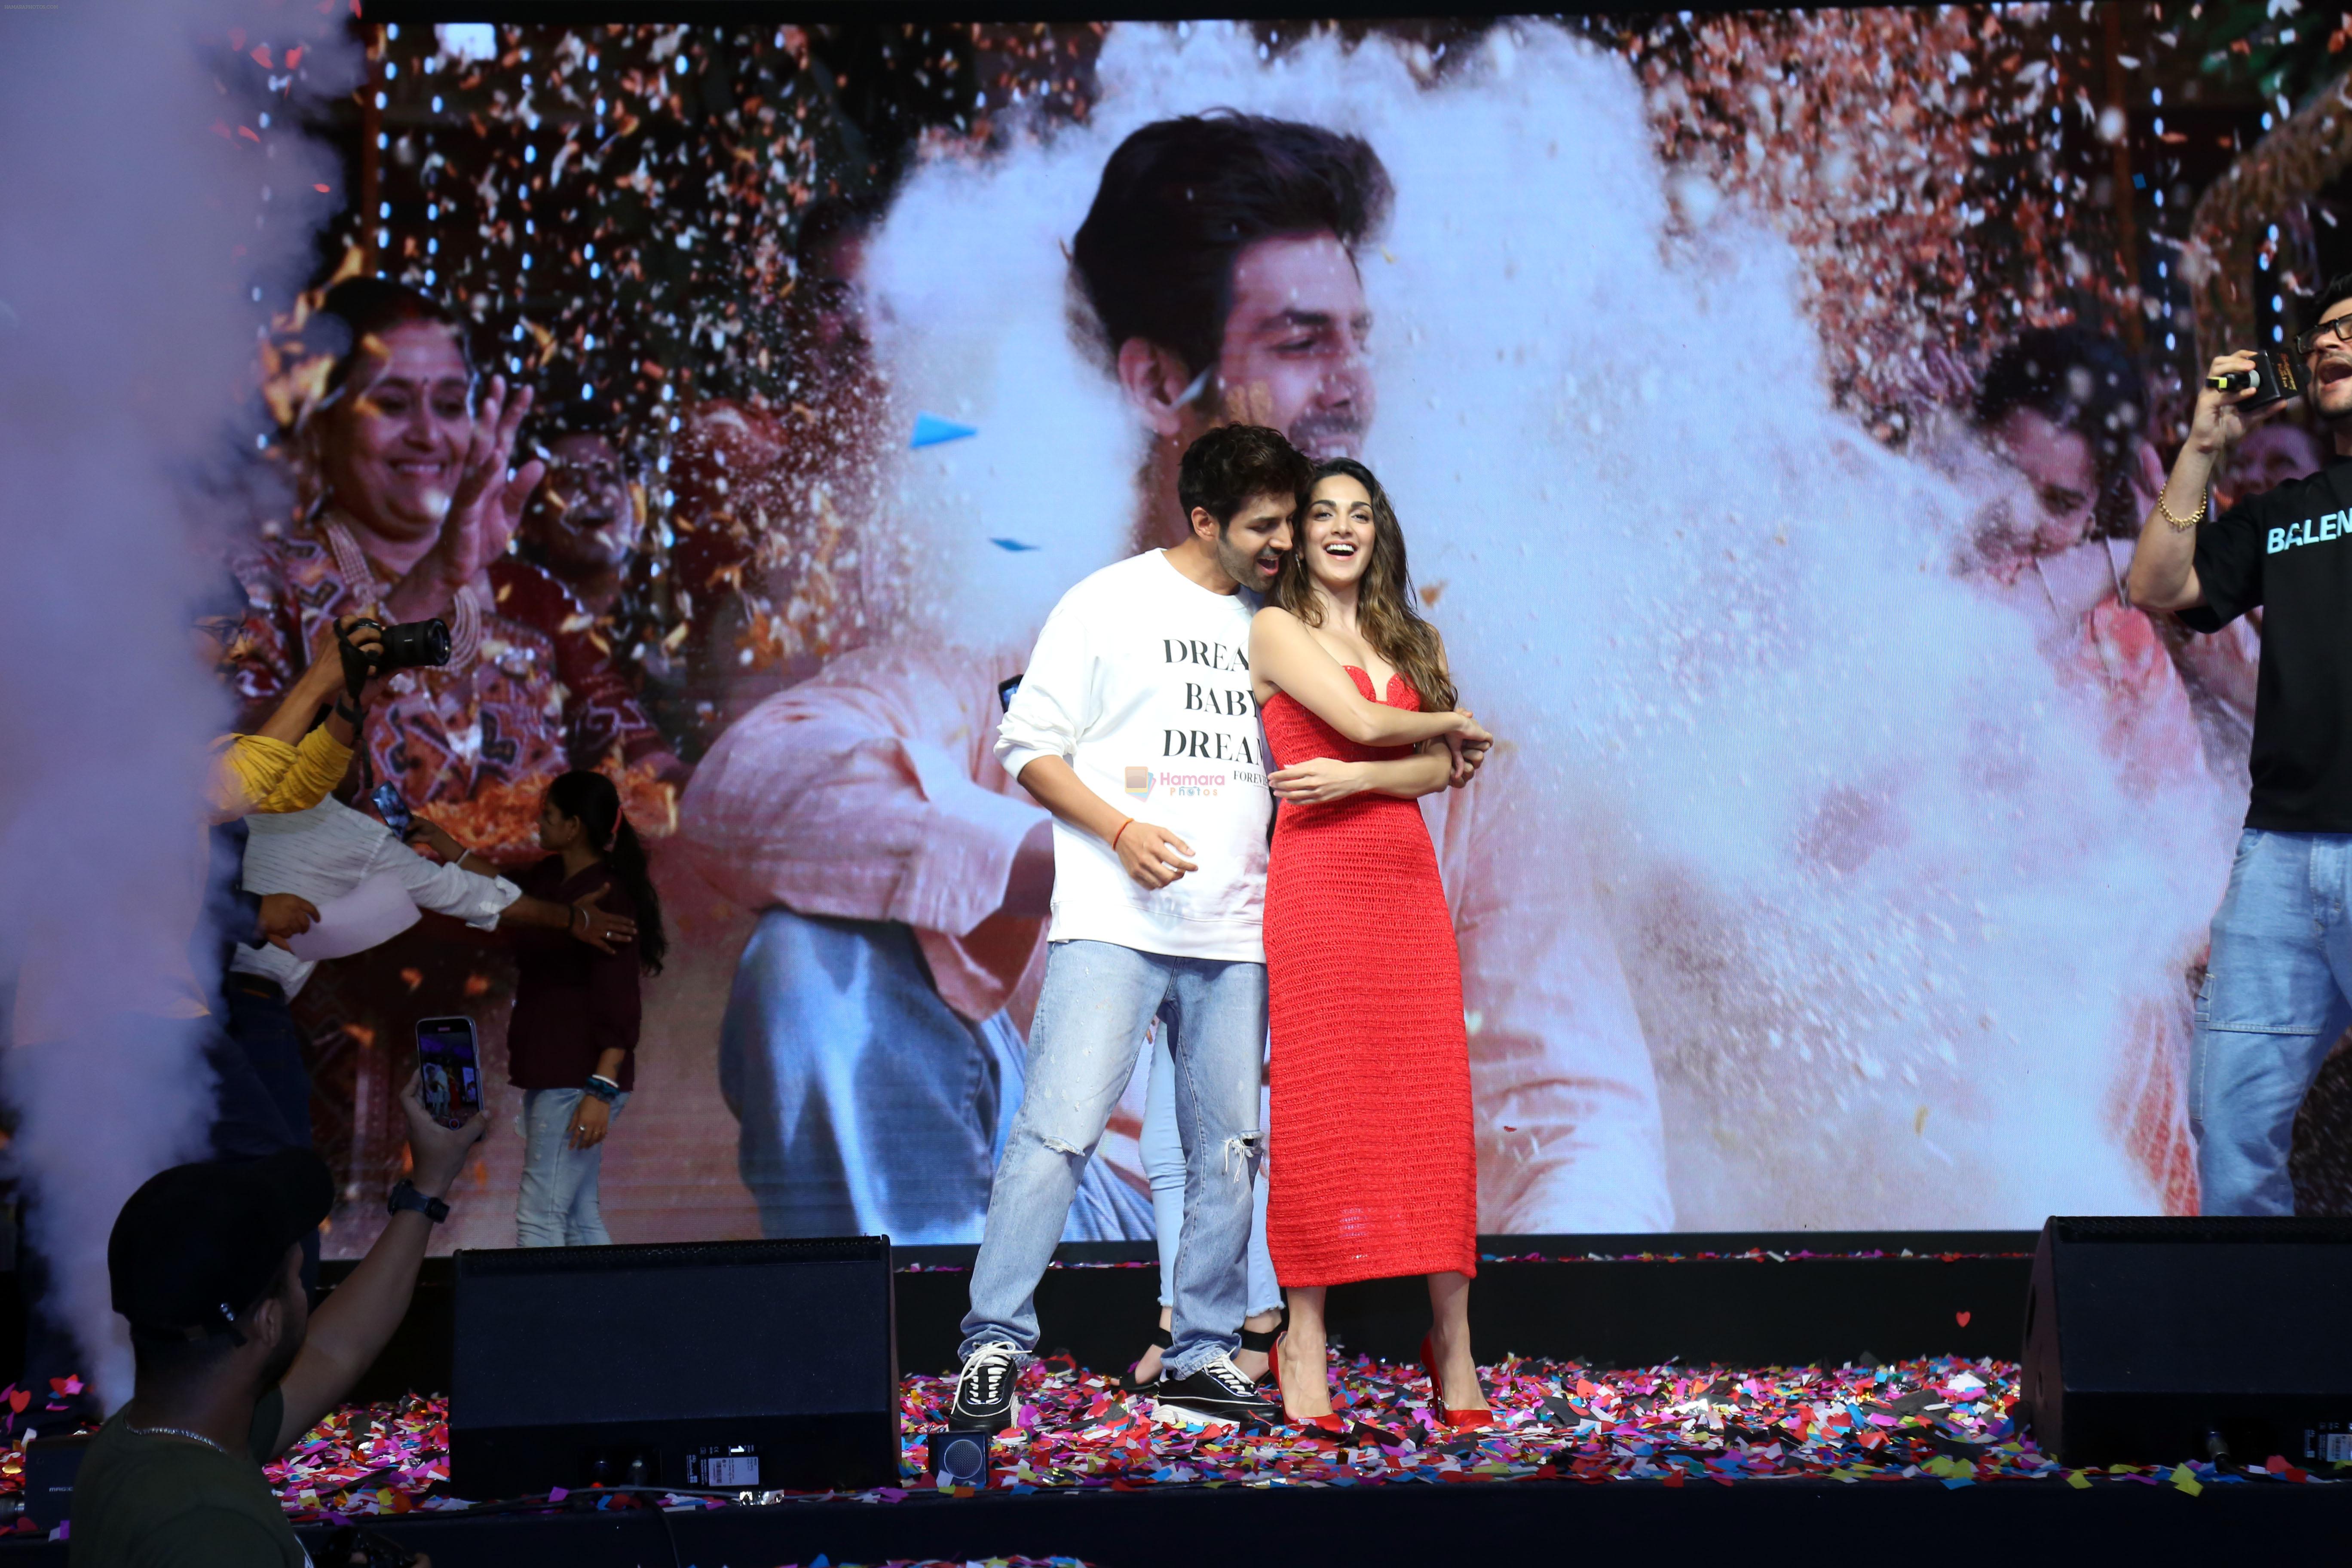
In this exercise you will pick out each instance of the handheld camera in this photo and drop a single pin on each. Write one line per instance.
(2274, 378)
(409, 645)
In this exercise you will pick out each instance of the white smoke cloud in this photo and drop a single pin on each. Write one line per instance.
(152, 186)
(971, 317)
(1888, 912)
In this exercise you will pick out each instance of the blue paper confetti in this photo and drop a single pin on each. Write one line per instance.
(931, 430)
(1013, 544)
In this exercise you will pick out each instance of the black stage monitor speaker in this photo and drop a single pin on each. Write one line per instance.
(51, 1466)
(735, 1365)
(2147, 1339)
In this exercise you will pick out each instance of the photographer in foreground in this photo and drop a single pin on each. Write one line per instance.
(233, 1366)
(2273, 1003)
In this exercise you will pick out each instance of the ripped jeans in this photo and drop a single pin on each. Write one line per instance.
(1163, 1166)
(1092, 1011)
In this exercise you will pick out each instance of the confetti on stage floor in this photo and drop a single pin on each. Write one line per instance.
(1947, 1421)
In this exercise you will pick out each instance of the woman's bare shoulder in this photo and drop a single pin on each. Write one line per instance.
(1275, 628)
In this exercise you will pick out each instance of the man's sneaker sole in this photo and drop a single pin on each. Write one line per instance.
(966, 1423)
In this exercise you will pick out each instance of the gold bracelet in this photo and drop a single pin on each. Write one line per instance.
(2183, 524)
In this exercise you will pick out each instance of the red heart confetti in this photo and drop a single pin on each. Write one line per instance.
(1961, 1319)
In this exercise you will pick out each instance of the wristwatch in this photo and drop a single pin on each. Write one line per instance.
(406, 1197)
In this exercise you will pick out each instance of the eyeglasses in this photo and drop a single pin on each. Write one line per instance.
(223, 629)
(2340, 328)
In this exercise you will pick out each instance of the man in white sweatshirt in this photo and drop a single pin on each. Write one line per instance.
(1137, 700)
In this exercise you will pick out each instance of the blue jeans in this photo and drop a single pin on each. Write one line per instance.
(559, 1207)
(866, 1105)
(1163, 1162)
(1092, 1011)
(2273, 1004)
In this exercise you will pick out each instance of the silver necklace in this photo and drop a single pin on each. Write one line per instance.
(177, 1432)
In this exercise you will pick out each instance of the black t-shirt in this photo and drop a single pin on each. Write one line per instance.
(155, 1500)
(2288, 552)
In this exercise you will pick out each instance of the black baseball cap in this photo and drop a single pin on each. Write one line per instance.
(199, 1243)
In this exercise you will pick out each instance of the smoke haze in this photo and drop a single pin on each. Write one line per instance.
(147, 198)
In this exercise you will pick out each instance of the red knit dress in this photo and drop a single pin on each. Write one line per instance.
(1371, 1169)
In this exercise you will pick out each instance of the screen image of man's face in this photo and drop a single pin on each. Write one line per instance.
(581, 518)
(1293, 355)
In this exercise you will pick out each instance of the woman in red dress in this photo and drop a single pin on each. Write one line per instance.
(1371, 1172)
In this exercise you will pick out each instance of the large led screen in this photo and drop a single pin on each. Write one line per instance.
(1769, 401)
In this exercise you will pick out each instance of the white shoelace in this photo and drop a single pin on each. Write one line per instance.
(1231, 1377)
(990, 1365)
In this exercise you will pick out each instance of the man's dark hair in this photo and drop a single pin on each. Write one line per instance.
(1181, 198)
(2336, 289)
(221, 595)
(1233, 465)
(2081, 381)
(371, 307)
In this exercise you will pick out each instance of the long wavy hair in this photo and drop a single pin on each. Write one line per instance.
(1385, 613)
(591, 799)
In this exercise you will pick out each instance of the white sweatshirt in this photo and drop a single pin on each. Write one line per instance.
(1140, 682)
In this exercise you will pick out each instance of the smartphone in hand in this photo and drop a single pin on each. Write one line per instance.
(392, 808)
(449, 1069)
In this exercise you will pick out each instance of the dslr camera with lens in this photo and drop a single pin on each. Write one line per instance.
(409, 645)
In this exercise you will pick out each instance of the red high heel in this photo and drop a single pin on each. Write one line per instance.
(1466, 1420)
(1331, 1423)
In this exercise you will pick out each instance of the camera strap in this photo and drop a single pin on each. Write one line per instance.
(356, 669)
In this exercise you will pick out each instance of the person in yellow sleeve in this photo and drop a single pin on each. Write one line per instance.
(293, 762)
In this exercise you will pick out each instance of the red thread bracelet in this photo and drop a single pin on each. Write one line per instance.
(1122, 829)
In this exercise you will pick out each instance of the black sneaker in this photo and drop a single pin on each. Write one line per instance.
(1218, 1391)
(983, 1393)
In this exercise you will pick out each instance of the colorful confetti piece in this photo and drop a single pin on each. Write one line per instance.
(931, 430)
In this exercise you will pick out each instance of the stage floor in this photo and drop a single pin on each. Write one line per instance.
(1946, 1420)
(1808, 1437)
